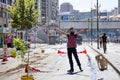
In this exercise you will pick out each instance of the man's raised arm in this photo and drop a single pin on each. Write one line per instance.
(62, 32)
(82, 30)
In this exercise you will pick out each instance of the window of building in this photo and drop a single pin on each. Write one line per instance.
(4, 1)
(1, 12)
(4, 14)
(9, 2)
(5, 25)
(43, 0)
(1, 0)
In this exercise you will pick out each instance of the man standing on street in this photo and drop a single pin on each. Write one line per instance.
(104, 39)
(71, 47)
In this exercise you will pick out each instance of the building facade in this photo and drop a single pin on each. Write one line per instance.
(4, 17)
(65, 16)
(49, 11)
(43, 11)
(115, 11)
(118, 6)
(4, 20)
(75, 16)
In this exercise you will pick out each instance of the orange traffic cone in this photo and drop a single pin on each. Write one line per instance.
(84, 51)
(61, 52)
(5, 51)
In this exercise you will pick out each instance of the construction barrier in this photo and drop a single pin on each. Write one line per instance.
(28, 68)
(5, 53)
(61, 52)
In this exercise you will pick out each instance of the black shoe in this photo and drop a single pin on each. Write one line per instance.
(70, 71)
(81, 70)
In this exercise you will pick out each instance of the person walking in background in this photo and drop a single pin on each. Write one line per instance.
(100, 41)
(71, 47)
(6, 41)
(12, 37)
(104, 40)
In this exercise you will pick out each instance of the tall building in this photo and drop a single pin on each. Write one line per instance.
(66, 7)
(118, 6)
(4, 20)
(115, 11)
(4, 17)
(49, 10)
(43, 11)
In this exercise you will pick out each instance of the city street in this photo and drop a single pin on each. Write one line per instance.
(54, 66)
(37, 38)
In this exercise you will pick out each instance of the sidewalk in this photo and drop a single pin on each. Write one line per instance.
(112, 54)
(10, 64)
(13, 63)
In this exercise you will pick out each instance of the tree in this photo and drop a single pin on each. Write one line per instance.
(23, 14)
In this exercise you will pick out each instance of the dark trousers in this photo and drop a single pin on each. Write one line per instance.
(74, 52)
(9, 45)
(100, 44)
(104, 47)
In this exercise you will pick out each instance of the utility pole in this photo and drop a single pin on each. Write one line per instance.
(6, 15)
(91, 22)
(97, 27)
(88, 32)
(48, 18)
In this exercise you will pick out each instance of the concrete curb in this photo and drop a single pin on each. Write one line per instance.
(106, 59)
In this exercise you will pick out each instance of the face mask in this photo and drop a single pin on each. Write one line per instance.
(72, 33)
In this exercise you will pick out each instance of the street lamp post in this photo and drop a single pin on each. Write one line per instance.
(59, 28)
(97, 27)
(91, 22)
(91, 28)
(88, 31)
(6, 15)
(36, 36)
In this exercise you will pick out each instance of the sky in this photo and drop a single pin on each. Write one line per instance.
(85, 5)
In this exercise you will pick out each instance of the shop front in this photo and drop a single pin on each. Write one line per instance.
(3, 34)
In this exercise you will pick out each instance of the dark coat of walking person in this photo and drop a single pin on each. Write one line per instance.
(104, 40)
(7, 41)
(71, 47)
